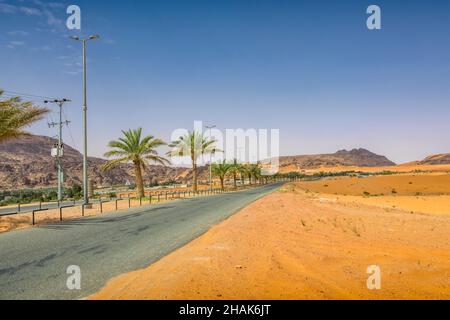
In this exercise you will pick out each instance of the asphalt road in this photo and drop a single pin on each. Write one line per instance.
(34, 262)
(30, 207)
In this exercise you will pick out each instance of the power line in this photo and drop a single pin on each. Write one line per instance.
(58, 151)
(27, 95)
(70, 131)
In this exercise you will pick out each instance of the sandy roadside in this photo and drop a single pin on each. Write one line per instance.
(293, 245)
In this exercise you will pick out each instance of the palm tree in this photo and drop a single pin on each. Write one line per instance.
(221, 170)
(243, 173)
(193, 145)
(247, 170)
(255, 171)
(235, 169)
(15, 115)
(133, 148)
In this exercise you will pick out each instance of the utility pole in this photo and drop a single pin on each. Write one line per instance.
(210, 157)
(85, 139)
(58, 151)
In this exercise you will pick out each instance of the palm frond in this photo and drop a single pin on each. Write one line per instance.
(112, 163)
(133, 147)
(15, 115)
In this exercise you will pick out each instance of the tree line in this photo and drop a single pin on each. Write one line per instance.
(132, 147)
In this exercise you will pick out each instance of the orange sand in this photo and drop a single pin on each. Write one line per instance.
(295, 245)
(405, 168)
(404, 184)
(413, 193)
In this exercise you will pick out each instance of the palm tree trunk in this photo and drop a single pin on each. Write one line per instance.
(139, 181)
(194, 176)
(243, 179)
(222, 183)
(235, 180)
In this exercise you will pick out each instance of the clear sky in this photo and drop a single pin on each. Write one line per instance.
(309, 68)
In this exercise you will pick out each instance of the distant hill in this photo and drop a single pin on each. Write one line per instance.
(26, 163)
(355, 157)
(438, 159)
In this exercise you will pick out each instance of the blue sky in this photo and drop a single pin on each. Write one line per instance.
(309, 68)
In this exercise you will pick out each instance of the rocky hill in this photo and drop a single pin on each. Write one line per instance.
(436, 159)
(26, 163)
(355, 157)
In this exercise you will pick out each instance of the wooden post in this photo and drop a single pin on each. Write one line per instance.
(60, 214)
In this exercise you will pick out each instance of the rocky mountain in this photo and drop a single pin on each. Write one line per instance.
(355, 157)
(436, 159)
(27, 163)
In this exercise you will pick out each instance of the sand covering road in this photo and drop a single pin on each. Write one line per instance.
(298, 245)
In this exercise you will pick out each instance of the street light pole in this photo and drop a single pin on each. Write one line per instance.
(85, 140)
(85, 143)
(210, 157)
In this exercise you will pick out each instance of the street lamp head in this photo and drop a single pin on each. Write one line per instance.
(92, 37)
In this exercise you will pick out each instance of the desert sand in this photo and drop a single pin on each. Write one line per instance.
(402, 168)
(302, 244)
(413, 193)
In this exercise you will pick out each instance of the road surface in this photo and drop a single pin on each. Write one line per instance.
(34, 261)
(30, 207)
